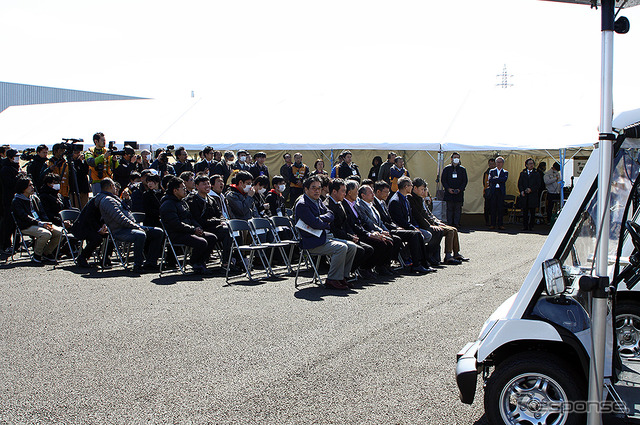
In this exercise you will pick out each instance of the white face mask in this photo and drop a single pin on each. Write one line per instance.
(149, 157)
(282, 187)
(243, 158)
(56, 186)
(16, 159)
(247, 188)
(456, 160)
(261, 191)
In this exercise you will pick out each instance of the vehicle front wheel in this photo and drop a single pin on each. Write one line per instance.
(628, 329)
(533, 388)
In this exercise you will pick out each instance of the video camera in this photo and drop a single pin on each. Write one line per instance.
(169, 149)
(28, 154)
(129, 148)
(72, 145)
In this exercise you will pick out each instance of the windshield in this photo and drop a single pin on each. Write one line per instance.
(577, 258)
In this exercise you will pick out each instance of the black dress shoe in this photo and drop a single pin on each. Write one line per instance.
(83, 263)
(420, 269)
(335, 284)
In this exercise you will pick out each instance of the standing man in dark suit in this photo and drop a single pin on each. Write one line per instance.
(311, 213)
(529, 184)
(454, 179)
(497, 190)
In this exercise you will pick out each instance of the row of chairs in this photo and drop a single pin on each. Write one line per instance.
(257, 238)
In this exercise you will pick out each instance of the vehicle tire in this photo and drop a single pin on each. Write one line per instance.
(627, 325)
(533, 388)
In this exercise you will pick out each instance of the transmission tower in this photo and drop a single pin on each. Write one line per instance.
(504, 83)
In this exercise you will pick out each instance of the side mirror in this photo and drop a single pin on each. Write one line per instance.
(553, 277)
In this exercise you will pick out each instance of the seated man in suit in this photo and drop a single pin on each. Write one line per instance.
(342, 230)
(371, 221)
(183, 229)
(382, 246)
(208, 215)
(400, 213)
(309, 211)
(427, 220)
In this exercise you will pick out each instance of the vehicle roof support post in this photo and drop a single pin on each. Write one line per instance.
(605, 145)
(562, 156)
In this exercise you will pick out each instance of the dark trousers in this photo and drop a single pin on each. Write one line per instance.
(92, 242)
(381, 253)
(487, 210)
(202, 246)
(528, 217)
(7, 229)
(497, 208)
(413, 240)
(222, 233)
(294, 193)
(363, 256)
(454, 212)
(552, 198)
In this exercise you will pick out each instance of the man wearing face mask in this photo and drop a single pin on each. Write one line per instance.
(260, 184)
(51, 200)
(241, 164)
(454, 180)
(240, 197)
(223, 167)
(274, 198)
(143, 161)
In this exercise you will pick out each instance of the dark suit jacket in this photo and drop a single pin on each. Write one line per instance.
(500, 182)
(530, 181)
(367, 218)
(400, 212)
(384, 216)
(205, 212)
(340, 226)
(315, 215)
(354, 222)
(418, 211)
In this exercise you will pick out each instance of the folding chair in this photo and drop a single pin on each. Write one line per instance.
(264, 233)
(186, 250)
(17, 235)
(281, 224)
(138, 216)
(124, 262)
(236, 227)
(70, 215)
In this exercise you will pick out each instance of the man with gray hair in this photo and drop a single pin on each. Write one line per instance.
(497, 181)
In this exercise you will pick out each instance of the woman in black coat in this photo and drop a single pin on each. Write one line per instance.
(529, 188)
(374, 172)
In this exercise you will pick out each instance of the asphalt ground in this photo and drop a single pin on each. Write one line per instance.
(106, 347)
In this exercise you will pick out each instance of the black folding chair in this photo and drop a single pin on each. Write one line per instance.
(118, 247)
(71, 241)
(186, 251)
(138, 216)
(18, 236)
(236, 229)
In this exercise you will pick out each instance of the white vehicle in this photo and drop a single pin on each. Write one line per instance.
(533, 352)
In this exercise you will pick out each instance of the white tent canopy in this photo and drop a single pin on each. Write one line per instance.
(484, 120)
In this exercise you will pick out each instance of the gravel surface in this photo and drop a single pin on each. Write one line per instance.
(111, 348)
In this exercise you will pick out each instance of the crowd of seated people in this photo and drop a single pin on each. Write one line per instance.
(363, 226)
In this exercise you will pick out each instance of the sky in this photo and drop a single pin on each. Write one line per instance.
(418, 60)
